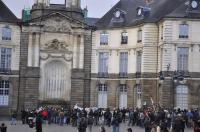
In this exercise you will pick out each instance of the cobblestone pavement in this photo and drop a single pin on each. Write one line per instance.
(55, 128)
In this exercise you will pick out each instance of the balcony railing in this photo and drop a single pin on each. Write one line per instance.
(138, 74)
(103, 75)
(5, 70)
(123, 74)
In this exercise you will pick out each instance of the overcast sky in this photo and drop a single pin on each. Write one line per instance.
(97, 8)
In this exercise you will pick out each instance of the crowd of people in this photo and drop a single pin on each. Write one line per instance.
(150, 118)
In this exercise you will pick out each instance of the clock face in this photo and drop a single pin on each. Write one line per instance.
(194, 4)
(117, 14)
(139, 11)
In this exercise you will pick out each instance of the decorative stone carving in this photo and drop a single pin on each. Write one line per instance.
(44, 56)
(57, 24)
(68, 57)
(55, 44)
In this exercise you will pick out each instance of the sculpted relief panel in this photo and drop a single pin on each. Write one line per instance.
(57, 24)
(56, 49)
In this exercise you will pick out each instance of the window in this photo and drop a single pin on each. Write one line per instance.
(139, 95)
(123, 96)
(182, 59)
(5, 65)
(183, 30)
(182, 97)
(124, 38)
(104, 39)
(102, 96)
(123, 67)
(103, 64)
(139, 36)
(6, 33)
(62, 2)
(161, 33)
(139, 61)
(4, 93)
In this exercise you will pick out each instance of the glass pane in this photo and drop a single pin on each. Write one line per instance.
(6, 33)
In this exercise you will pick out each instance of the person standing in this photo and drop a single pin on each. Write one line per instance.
(3, 128)
(102, 129)
(115, 124)
(14, 118)
(90, 120)
(147, 124)
(82, 125)
(38, 123)
(129, 130)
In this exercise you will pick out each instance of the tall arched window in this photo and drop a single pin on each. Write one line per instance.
(102, 96)
(123, 96)
(4, 93)
(182, 96)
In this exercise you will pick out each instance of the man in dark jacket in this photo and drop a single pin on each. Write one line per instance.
(38, 123)
(178, 124)
(82, 125)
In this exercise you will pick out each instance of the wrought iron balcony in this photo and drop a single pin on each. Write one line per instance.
(123, 74)
(103, 75)
(5, 70)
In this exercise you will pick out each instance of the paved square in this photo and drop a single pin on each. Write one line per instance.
(55, 128)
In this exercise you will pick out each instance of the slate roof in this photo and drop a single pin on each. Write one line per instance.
(6, 14)
(159, 9)
(91, 21)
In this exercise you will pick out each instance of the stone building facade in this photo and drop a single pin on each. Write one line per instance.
(144, 53)
(45, 60)
(55, 60)
(9, 59)
(137, 54)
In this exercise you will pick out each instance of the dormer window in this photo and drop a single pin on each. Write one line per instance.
(124, 38)
(139, 40)
(183, 30)
(194, 4)
(143, 11)
(139, 11)
(104, 38)
(6, 33)
(117, 14)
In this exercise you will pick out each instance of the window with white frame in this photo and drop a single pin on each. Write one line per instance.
(6, 33)
(124, 38)
(102, 96)
(4, 93)
(183, 31)
(123, 96)
(5, 59)
(103, 64)
(104, 38)
(139, 36)
(123, 67)
(182, 97)
(182, 58)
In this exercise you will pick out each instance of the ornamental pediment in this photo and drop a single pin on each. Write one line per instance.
(56, 24)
